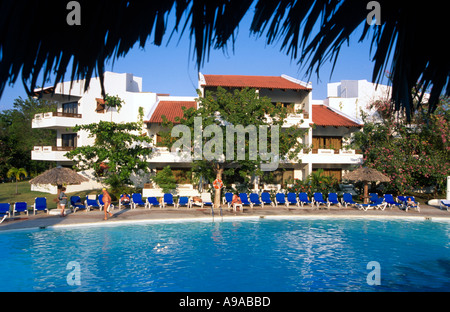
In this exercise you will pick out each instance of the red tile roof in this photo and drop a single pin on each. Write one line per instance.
(324, 116)
(170, 109)
(258, 82)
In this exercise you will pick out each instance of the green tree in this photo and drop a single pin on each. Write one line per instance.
(165, 179)
(17, 173)
(119, 150)
(223, 109)
(17, 138)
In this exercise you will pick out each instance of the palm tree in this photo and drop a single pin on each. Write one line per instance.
(16, 173)
(409, 38)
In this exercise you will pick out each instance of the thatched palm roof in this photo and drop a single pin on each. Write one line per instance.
(59, 176)
(35, 38)
(363, 174)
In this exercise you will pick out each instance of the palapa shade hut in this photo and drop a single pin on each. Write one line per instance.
(59, 176)
(366, 175)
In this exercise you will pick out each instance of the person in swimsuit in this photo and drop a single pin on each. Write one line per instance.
(107, 202)
(62, 200)
(236, 199)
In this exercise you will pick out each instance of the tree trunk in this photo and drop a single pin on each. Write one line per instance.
(366, 193)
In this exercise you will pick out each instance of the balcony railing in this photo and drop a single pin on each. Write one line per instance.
(56, 114)
(53, 148)
(55, 120)
(329, 151)
(50, 153)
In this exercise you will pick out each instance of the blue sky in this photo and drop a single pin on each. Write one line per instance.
(170, 68)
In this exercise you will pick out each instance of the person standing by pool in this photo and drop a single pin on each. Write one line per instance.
(107, 202)
(62, 200)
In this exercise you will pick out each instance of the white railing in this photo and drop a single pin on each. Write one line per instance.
(48, 115)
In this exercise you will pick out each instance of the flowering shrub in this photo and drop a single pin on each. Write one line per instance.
(316, 182)
(414, 155)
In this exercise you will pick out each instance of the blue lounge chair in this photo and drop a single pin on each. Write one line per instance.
(443, 204)
(228, 199)
(318, 199)
(168, 200)
(389, 199)
(244, 200)
(265, 198)
(303, 199)
(378, 204)
(91, 202)
(76, 204)
(100, 201)
(40, 204)
(333, 199)
(347, 199)
(254, 199)
(20, 207)
(136, 200)
(280, 199)
(124, 201)
(5, 209)
(152, 201)
(406, 205)
(184, 201)
(373, 197)
(292, 199)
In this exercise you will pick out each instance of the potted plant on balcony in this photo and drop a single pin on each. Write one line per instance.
(114, 102)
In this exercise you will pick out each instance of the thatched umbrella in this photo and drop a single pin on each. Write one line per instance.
(366, 175)
(59, 176)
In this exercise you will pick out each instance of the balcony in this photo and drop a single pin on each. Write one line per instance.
(296, 119)
(50, 153)
(164, 155)
(332, 156)
(55, 120)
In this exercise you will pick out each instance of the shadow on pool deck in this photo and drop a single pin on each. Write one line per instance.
(42, 220)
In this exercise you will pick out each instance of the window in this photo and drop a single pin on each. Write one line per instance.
(280, 176)
(69, 140)
(70, 108)
(327, 142)
(290, 107)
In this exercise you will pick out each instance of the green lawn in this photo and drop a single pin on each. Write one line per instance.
(8, 190)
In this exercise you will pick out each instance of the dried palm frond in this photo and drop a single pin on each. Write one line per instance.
(36, 40)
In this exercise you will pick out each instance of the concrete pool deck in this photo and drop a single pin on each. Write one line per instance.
(95, 217)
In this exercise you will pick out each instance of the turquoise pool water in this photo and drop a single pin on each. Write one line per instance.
(251, 255)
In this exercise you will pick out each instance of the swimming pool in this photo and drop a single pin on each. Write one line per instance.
(309, 254)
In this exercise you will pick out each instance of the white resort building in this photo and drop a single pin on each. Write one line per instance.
(353, 96)
(329, 127)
